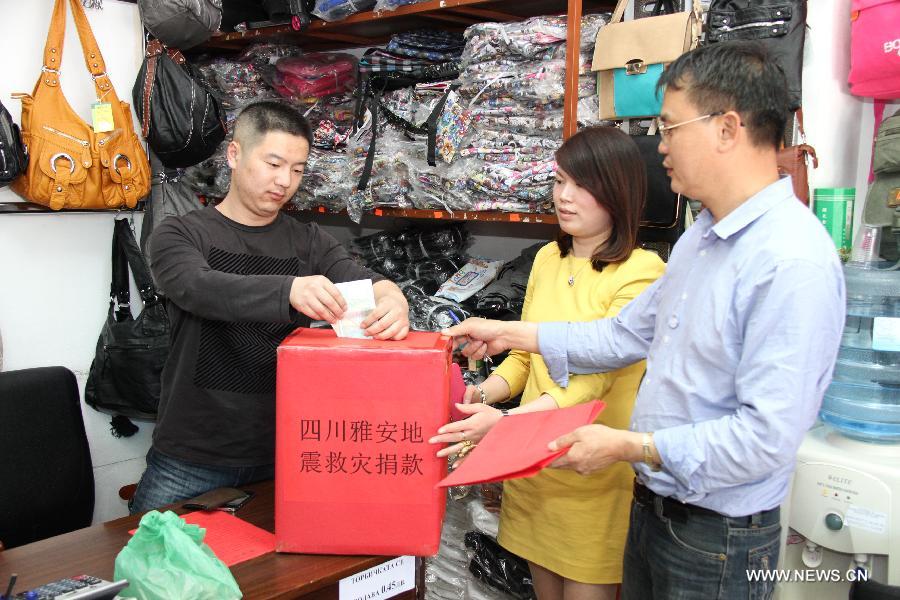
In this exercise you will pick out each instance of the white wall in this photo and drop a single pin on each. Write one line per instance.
(55, 268)
(831, 114)
(839, 126)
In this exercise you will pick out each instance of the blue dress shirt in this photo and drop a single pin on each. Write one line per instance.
(740, 336)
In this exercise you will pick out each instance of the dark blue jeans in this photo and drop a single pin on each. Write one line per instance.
(167, 480)
(673, 555)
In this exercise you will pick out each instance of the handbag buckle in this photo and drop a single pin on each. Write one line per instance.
(116, 159)
(635, 66)
(59, 155)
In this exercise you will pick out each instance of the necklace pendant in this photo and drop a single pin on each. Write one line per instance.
(571, 280)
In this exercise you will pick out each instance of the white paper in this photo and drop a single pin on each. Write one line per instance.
(360, 298)
(383, 581)
(860, 517)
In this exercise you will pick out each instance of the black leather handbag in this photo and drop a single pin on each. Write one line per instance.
(180, 117)
(170, 196)
(124, 378)
(779, 24)
(181, 24)
(663, 218)
(13, 154)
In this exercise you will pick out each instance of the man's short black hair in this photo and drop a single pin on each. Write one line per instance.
(259, 118)
(739, 76)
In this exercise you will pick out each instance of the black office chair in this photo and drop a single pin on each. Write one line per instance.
(46, 473)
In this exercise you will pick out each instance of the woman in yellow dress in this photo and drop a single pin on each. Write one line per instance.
(571, 528)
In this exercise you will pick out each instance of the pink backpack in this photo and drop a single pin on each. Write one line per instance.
(875, 49)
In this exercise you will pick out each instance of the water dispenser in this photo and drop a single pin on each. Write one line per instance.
(844, 503)
(863, 400)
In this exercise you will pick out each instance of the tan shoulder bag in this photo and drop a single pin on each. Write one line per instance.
(629, 57)
(71, 165)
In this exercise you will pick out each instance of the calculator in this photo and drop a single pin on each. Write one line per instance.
(80, 587)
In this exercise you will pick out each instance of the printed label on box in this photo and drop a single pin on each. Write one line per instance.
(384, 581)
(362, 447)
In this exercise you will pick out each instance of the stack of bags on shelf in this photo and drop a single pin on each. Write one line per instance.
(419, 261)
(493, 130)
(423, 261)
(498, 126)
(401, 86)
(506, 122)
(318, 84)
(390, 74)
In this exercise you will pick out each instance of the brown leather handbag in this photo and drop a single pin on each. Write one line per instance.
(71, 165)
(794, 161)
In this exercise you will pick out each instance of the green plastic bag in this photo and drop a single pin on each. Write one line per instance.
(166, 559)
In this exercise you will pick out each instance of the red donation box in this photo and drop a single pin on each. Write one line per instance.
(354, 472)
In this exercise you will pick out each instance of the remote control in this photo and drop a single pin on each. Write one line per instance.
(80, 587)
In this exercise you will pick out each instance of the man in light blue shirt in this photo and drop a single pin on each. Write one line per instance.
(740, 337)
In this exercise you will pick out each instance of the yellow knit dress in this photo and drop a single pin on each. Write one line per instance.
(571, 524)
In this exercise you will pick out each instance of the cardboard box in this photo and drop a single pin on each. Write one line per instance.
(354, 472)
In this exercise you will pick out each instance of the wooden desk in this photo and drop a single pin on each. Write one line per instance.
(93, 550)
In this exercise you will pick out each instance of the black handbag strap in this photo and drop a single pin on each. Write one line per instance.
(125, 253)
(119, 296)
(374, 101)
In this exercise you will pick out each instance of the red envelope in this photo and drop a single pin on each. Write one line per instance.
(517, 445)
(231, 539)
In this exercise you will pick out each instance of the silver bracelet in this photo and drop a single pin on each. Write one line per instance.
(483, 395)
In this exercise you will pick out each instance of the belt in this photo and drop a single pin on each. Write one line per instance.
(671, 508)
(682, 512)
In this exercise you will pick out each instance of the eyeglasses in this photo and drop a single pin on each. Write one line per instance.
(665, 129)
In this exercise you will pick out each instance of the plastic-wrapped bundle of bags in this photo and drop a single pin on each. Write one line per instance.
(429, 44)
(393, 4)
(412, 244)
(325, 181)
(318, 74)
(503, 298)
(335, 10)
(242, 80)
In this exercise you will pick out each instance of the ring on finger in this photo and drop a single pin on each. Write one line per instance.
(462, 437)
(467, 447)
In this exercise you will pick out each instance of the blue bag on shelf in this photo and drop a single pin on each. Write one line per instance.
(335, 10)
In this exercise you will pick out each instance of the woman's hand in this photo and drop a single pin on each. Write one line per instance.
(472, 395)
(472, 429)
